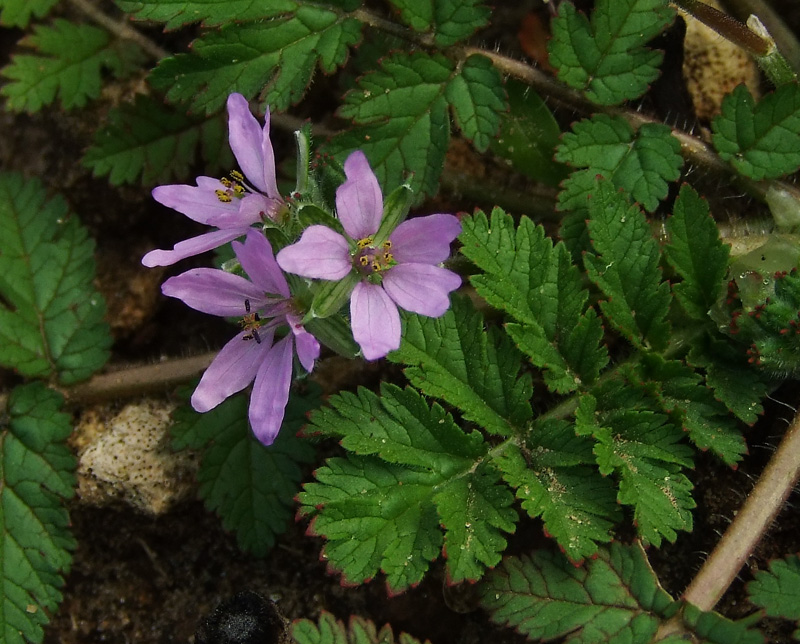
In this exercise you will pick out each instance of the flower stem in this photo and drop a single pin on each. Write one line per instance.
(726, 26)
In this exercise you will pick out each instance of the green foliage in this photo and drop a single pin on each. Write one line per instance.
(612, 598)
(455, 359)
(36, 474)
(626, 268)
(777, 591)
(177, 13)
(252, 487)
(159, 144)
(642, 163)
(18, 13)
(606, 58)
(410, 470)
(329, 630)
(537, 285)
(401, 112)
(448, 20)
(762, 141)
(70, 65)
(51, 317)
(274, 59)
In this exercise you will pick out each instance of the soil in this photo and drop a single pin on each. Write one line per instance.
(151, 580)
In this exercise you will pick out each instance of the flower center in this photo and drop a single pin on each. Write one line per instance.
(250, 323)
(370, 260)
(234, 187)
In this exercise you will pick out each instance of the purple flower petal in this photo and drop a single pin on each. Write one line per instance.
(214, 291)
(359, 202)
(192, 246)
(245, 138)
(268, 155)
(306, 344)
(232, 370)
(421, 288)
(199, 203)
(271, 391)
(257, 260)
(425, 240)
(320, 253)
(375, 320)
(251, 210)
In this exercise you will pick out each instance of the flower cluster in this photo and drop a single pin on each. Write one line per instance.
(385, 266)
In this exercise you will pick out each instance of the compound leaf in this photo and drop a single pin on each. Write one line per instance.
(626, 268)
(18, 13)
(51, 317)
(777, 591)
(606, 58)
(455, 359)
(70, 65)
(642, 163)
(276, 58)
(537, 285)
(412, 469)
(177, 13)
(762, 141)
(252, 487)
(159, 144)
(448, 20)
(329, 630)
(36, 474)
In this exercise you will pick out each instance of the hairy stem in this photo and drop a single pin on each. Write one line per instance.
(785, 39)
(726, 26)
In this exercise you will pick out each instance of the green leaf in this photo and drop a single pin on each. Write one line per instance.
(252, 487)
(696, 253)
(36, 474)
(715, 629)
(606, 59)
(328, 630)
(159, 144)
(529, 135)
(555, 479)
(455, 359)
(612, 598)
(275, 59)
(762, 141)
(642, 163)
(18, 13)
(73, 59)
(449, 20)
(537, 285)
(646, 454)
(777, 591)
(177, 13)
(413, 469)
(626, 268)
(51, 317)
(402, 117)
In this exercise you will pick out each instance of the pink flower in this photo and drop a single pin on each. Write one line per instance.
(231, 204)
(264, 304)
(402, 270)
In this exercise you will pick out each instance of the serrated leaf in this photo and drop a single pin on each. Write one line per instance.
(606, 58)
(18, 13)
(51, 317)
(449, 20)
(328, 630)
(252, 487)
(626, 268)
(275, 59)
(455, 359)
(646, 454)
(612, 598)
(155, 143)
(642, 162)
(762, 141)
(36, 474)
(72, 60)
(177, 13)
(777, 591)
(538, 285)
(412, 469)
(697, 254)
(554, 480)
(402, 116)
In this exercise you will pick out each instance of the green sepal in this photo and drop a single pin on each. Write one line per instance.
(395, 209)
(302, 138)
(334, 332)
(309, 214)
(331, 296)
